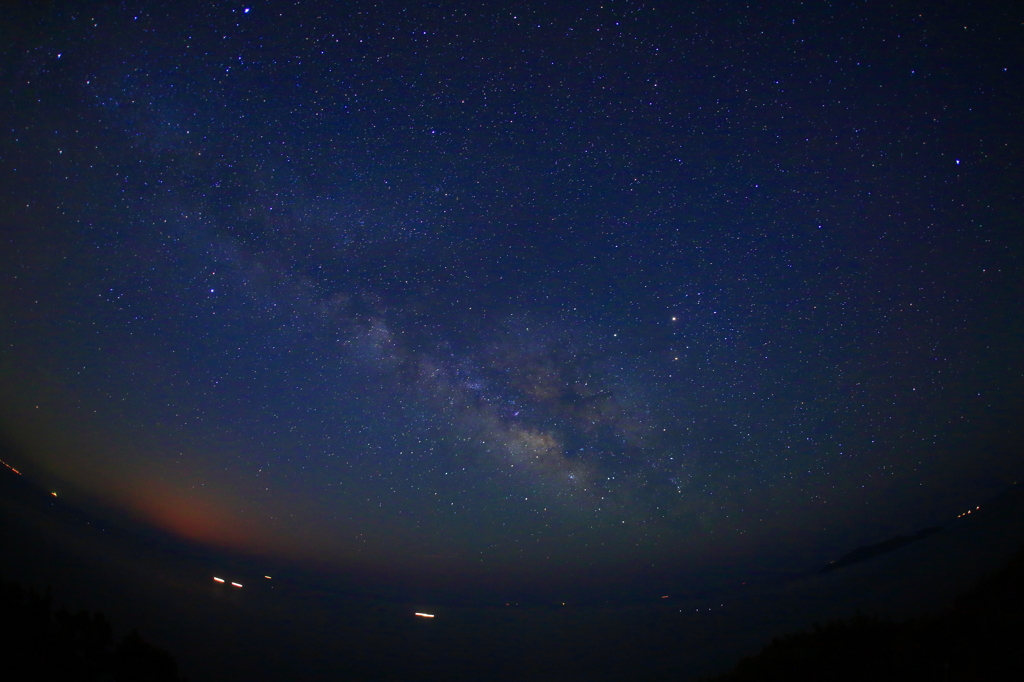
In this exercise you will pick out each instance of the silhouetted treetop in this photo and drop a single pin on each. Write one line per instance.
(39, 645)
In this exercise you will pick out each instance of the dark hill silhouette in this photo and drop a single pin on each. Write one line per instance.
(40, 644)
(979, 638)
(871, 551)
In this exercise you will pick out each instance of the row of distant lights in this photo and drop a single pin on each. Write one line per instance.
(968, 512)
(10, 467)
(222, 581)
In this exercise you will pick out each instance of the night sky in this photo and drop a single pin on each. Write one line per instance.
(514, 297)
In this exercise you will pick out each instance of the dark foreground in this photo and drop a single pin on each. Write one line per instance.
(980, 638)
(38, 643)
(302, 626)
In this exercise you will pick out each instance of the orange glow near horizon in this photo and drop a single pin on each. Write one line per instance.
(193, 517)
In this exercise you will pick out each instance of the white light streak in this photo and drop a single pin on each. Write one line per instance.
(424, 615)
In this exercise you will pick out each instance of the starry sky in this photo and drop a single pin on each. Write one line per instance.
(514, 294)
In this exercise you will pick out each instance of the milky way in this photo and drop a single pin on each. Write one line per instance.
(464, 292)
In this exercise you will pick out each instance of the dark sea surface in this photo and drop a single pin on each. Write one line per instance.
(305, 624)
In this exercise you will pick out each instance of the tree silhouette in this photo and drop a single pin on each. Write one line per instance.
(39, 645)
